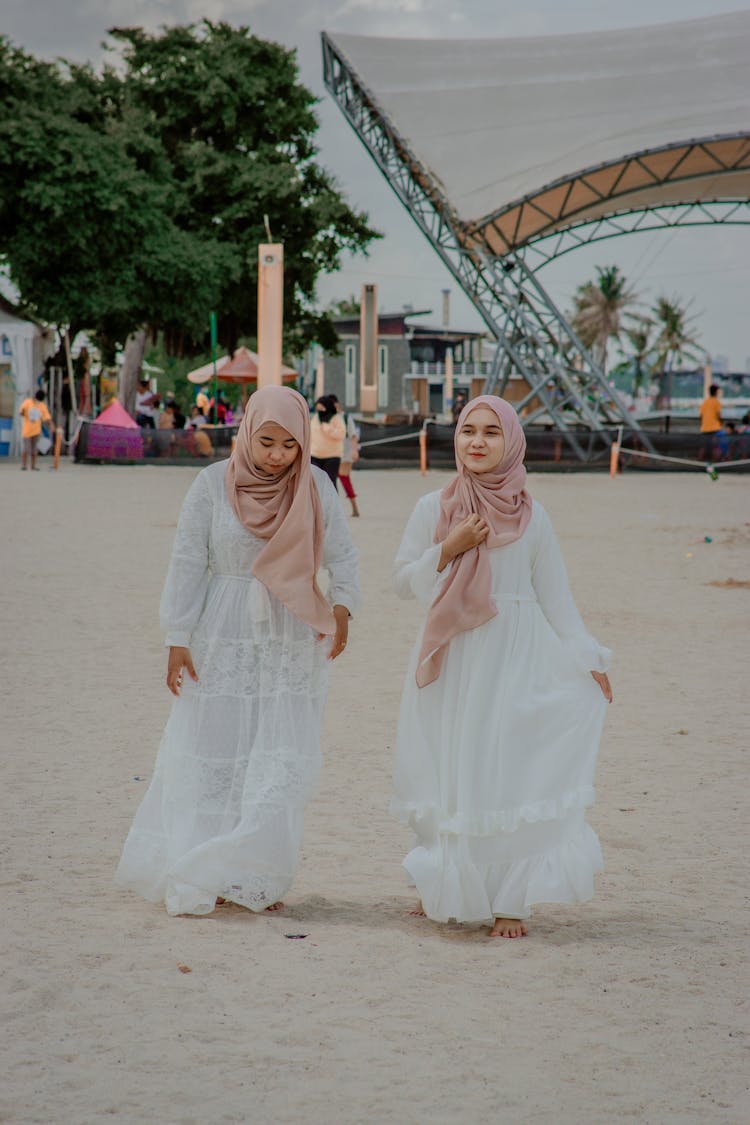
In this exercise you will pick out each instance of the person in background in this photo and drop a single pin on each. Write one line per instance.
(349, 455)
(179, 417)
(710, 423)
(197, 418)
(34, 411)
(459, 402)
(327, 433)
(743, 442)
(728, 441)
(144, 406)
(165, 430)
(202, 402)
(166, 418)
(196, 424)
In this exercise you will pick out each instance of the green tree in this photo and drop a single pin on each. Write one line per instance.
(675, 341)
(599, 308)
(640, 337)
(237, 130)
(86, 235)
(135, 197)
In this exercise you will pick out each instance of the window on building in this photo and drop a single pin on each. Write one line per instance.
(350, 375)
(383, 375)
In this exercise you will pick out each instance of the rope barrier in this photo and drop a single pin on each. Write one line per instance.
(710, 467)
(384, 440)
(420, 433)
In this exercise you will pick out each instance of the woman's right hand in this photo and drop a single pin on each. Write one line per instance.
(467, 534)
(179, 658)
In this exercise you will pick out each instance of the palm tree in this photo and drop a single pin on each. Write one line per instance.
(598, 310)
(674, 342)
(640, 337)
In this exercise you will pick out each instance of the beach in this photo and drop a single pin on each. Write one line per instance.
(343, 1008)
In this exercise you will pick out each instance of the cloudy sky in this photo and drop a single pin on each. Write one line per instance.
(709, 267)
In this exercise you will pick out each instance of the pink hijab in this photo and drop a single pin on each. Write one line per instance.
(285, 510)
(465, 600)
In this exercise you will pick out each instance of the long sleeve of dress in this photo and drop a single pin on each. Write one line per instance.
(415, 573)
(340, 556)
(550, 580)
(187, 578)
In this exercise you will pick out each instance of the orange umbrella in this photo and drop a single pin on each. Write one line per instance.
(243, 368)
(244, 365)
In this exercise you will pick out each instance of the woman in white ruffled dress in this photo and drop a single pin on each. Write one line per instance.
(505, 696)
(251, 639)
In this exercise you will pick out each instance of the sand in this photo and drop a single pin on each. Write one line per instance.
(630, 1008)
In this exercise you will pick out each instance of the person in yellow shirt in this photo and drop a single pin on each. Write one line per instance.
(710, 422)
(33, 411)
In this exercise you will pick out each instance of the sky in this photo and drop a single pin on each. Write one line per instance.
(708, 268)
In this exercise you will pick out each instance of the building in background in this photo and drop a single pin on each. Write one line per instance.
(412, 360)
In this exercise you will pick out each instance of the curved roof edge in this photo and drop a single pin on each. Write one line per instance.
(703, 170)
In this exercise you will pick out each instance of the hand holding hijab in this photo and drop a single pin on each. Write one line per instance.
(499, 496)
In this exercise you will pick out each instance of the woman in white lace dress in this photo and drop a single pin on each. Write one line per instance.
(505, 696)
(251, 639)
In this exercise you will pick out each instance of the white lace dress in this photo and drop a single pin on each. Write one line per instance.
(495, 759)
(240, 753)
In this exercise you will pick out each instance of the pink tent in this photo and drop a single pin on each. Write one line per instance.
(114, 436)
(116, 415)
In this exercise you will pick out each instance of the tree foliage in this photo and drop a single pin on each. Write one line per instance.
(675, 341)
(136, 196)
(640, 339)
(599, 308)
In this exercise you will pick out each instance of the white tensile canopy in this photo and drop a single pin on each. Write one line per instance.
(524, 137)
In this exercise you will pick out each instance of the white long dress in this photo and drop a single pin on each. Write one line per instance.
(240, 753)
(495, 759)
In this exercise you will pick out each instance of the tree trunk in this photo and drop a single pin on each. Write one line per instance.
(135, 347)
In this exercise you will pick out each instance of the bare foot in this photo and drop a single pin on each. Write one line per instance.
(220, 901)
(274, 906)
(508, 927)
(418, 911)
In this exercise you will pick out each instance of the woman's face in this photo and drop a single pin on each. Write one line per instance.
(273, 448)
(480, 441)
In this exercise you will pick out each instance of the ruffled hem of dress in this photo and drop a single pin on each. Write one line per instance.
(428, 819)
(143, 869)
(458, 891)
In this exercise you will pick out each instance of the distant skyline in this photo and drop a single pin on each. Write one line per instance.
(709, 268)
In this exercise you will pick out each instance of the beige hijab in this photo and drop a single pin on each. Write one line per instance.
(465, 600)
(285, 509)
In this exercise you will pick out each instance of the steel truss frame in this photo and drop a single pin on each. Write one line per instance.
(567, 388)
(540, 251)
(571, 199)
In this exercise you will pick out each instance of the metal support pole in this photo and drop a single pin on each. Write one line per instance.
(270, 312)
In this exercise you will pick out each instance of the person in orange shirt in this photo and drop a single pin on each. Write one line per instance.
(710, 422)
(33, 411)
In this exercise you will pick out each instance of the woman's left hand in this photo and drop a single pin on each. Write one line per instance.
(341, 613)
(603, 681)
